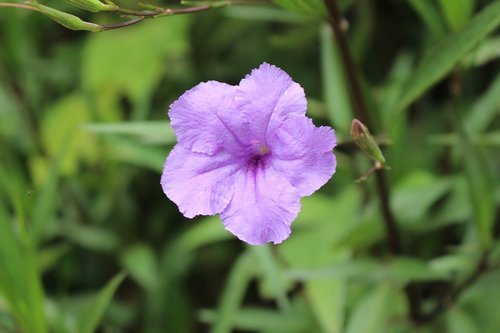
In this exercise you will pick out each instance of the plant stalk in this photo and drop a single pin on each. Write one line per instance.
(394, 243)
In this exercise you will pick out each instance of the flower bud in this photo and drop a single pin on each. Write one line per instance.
(364, 140)
(69, 21)
(93, 5)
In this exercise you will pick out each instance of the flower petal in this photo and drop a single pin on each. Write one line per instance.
(302, 153)
(267, 96)
(204, 118)
(263, 207)
(198, 183)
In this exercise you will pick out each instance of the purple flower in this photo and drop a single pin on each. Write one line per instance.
(247, 152)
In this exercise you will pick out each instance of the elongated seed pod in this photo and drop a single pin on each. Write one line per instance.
(68, 20)
(93, 5)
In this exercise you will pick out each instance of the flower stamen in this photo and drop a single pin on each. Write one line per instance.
(260, 148)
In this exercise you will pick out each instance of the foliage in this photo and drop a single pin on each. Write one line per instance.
(88, 241)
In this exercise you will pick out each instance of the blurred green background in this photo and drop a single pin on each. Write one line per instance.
(89, 243)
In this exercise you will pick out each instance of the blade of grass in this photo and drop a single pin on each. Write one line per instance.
(90, 317)
(334, 88)
(272, 273)
(481, 188)
(151, 132)
(484, 109)
(429, 14)
(457, 12)
(240, 276)
(19, 278)
(447, 52)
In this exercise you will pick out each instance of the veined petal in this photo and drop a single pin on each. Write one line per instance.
(263, 207)
(267, 96)
(204, 118)
(198, 183)
(302, 153)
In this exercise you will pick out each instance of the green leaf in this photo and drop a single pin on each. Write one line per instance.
(60, 129)
(399, 270)
(371, 312)
(46, 199)
(148, 132)
(315, 8)
(91, 237)
(90, 317)
(126, 150)
(481, 303)
(19, 280)
(364, 231)
(131, 62)
(415, 194)
(264, 14)
(456, 207)
(486, 139)
(484, 110)
(324, 221)
(140, 261)
(404, 270)
(12, 124)
(272, 274)
(334, 86)
(352, 269)
(175, 256)
(447, 52)
(260, 319)
(457, 12)
(489, 139)
(20, 283)
(458, 321)
(429, 14)
(481, 183)
(495, 252)
(454, 265)
(175, 261)
(49, 256)
(327, 298)
(207, 231)
(487, 51)
(238, 280)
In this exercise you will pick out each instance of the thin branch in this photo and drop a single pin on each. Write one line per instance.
(339, 26)
(18, 5)
(376, 167)
(187, 10)
(159, 11)
(136, 12)
(122, 24)
(361, 111)
(450, 299)
(141, 14)
(148, 14)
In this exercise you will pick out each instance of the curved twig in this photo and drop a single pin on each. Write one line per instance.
(122, 24)
(18, 5)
